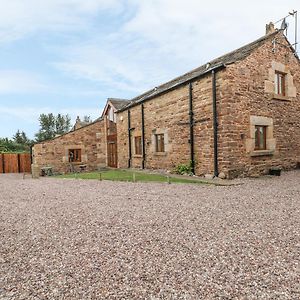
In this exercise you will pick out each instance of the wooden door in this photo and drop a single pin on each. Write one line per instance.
(112, 151)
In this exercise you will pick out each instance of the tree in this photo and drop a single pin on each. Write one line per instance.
(21, 138)
(7, 145)
(51, 125)
(87, 119)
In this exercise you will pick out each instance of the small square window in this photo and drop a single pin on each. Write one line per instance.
(159, 143)
(260, 137)
(138, 145)
(74, 155)
(280, 83)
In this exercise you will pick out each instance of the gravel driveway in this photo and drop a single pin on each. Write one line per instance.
(75, 239)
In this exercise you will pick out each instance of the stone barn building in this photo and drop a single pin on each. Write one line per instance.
(237, 115)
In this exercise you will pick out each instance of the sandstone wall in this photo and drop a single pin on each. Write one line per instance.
(249, 94)
(90, 139)
(245, 98)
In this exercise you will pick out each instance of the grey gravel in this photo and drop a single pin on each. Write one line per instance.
(75, 239)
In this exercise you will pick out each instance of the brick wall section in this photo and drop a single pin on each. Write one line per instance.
(90, 139)
(243, 91)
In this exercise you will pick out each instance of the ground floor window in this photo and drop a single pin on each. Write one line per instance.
(138, 145)
(160, 143)
(260, 137)
(261, 140)
(74, 155)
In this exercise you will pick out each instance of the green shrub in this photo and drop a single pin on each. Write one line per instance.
(184, 169)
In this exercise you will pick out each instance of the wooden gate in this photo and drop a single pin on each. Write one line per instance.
(112, 151)
(15, 163)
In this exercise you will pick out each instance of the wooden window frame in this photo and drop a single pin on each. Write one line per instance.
(138, 145)
(280, 82)
(160, 143)
(76, 155)
(258, 137)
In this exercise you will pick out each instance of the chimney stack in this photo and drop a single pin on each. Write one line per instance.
(270, 28)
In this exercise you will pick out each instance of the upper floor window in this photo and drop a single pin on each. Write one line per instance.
(138, 145)
(280, 83)
(260, 137)
(74, 155)
(159, 143)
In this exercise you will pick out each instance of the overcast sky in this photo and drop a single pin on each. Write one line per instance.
(69, 56)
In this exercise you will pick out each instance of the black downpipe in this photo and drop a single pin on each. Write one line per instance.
(215, 122)
(143, 137)
(191, 115)
(129, 140)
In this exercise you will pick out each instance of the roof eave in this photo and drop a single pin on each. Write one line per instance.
(147, 98)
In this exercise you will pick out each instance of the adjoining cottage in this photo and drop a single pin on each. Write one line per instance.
(238, 115)
(88, 146)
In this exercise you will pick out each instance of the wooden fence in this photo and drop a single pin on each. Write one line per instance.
(15, 163)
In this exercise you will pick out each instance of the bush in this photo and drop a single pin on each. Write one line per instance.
(184, 169)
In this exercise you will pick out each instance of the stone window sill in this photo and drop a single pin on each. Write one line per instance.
(137, 156)
(160, 153)
(261, 152)
(280, 97)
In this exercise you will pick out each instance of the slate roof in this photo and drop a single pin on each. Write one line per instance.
(220, 62)
(118, 103)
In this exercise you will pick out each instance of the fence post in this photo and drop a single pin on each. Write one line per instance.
(3, 163)
(19, 163)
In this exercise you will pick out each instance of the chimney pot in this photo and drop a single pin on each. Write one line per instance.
(270, 28)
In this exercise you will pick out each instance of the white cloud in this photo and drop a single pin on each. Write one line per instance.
(20, 82)
(165, 38)
(21, 18)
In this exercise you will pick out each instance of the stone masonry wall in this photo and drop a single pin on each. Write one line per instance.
(90, 139)
(245, 98)
(249, 92)
(169, 114)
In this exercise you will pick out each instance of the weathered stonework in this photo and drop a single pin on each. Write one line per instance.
(90, 139)
(245, 93)
(245, 98)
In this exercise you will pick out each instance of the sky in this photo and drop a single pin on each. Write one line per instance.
(69, 56)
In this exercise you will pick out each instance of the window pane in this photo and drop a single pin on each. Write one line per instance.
(160, 143)
(75, 155)
(276, 84)
(260, 137)
(279, 84)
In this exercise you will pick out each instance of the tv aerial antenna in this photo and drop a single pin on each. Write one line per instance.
(284, 26)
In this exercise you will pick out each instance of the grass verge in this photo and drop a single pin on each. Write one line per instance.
(129, 176)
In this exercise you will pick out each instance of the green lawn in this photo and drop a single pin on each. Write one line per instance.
(127, 175)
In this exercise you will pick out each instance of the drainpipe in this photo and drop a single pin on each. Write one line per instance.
(191, 115)
(129, 140)
(143, 136)
(215, 122)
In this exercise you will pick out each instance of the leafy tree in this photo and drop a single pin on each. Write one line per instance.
(21, 138)
(87, 119)
(7, 145)
(51, 125)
